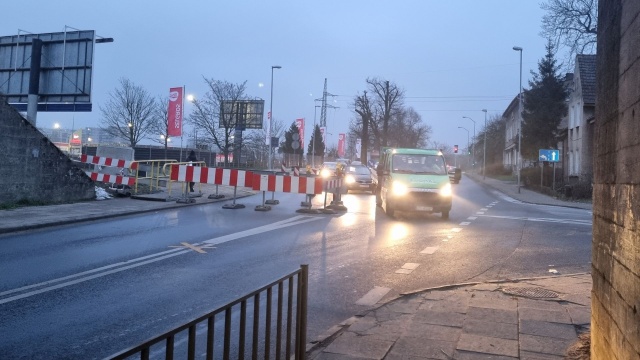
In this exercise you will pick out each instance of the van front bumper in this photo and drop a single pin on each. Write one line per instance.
(421, 201)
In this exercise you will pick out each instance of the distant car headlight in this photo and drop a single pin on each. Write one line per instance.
(399, 189)
(325, 173)
(446, 190)
(349, 179)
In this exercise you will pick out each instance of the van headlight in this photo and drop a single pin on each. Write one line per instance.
(325, 173)
(399, 189)
(349, 179)
(446, 190)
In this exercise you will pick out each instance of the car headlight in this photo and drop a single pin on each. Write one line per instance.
(446, 190)
(349, 179)
(399, 188)
(325, 173)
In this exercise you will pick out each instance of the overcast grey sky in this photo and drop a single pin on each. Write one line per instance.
(452, 57)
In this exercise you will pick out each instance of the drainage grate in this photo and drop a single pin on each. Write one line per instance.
(537, 293)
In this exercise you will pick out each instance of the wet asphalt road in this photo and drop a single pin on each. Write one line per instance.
(89, 290)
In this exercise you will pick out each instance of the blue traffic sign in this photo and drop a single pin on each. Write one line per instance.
(549, 155)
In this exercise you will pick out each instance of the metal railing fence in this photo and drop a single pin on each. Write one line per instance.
(260, 347)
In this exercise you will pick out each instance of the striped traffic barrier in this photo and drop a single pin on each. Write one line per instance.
(107, 161)
(110, 162)
(215, 176)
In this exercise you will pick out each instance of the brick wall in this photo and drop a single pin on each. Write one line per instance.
(32, 169)
(615, 320)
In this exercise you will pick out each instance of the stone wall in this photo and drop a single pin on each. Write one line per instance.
(615, 303)
(32, 169)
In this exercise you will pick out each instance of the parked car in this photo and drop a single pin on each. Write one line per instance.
(359, 177)
(328, 169)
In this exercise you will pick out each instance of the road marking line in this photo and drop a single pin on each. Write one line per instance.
(480, 213)
(195, 248)
(429, 250)
(561, 221)
(456, 230)
(373, 296)
(262, 229)
(144, 260)
(484, 209)
(410, 266)
(445, 240)
(77, 281)
(464, 223)
(472, 217)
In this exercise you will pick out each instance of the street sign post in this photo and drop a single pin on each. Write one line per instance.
(549, 155)
(552, 156)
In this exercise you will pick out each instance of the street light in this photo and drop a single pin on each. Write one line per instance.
(271, 114)
(519, 158)
(465, 129)
(130, 133)
(484, 145)
(473, 151)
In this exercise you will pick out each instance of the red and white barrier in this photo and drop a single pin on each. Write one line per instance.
(216, 176)
(105, 161)
(116, 179)
(332, 184)
(289, 184)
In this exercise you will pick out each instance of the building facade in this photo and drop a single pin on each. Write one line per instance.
(580, 120)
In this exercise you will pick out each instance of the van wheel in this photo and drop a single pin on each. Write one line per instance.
(391, 212)
(445, 214)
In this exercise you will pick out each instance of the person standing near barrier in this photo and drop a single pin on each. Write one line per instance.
(192, 158)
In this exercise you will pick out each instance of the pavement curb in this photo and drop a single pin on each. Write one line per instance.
(9, 230)
(333, 332)
(485, 184)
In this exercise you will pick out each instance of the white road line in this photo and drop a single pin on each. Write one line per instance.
(261, 229)
(373, 296)
(49, 288)
(455, 230)
(484, 209)
(144, 260)
(464, 223)
(128, 262)
(429, 250)
(480, 213)
(407, 268)
(472, 218)
(560, 221)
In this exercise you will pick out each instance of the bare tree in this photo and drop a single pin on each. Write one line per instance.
(255, 141)
(207, 117)
(129, 113)
(386, 101)
(572, 24)
(160, 126)
(408, 130)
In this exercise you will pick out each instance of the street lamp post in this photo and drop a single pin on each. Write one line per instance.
(519, 158)
(271, 115)
(465, 129)
(473, 149)
(484, 146)
(130, 133)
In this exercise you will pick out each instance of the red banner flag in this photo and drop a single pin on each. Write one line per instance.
(300, 124)
(341, 138)
(175, 112)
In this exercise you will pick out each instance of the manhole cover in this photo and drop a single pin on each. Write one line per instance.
(537, 293)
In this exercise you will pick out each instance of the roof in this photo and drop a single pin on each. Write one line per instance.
(586, 65)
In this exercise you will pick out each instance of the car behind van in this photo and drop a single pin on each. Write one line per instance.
(414, 180)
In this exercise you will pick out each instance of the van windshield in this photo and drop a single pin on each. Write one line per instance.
(418, 164)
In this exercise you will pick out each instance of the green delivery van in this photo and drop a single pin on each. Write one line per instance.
(413, 180)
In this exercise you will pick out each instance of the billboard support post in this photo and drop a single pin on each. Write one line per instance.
(34, 81)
